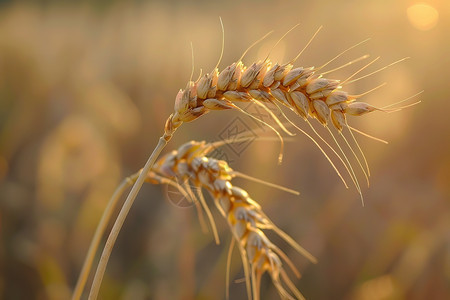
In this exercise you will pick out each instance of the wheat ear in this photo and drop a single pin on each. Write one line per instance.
(152, 178)
(245, 217)
(243, 214)
(303, 90)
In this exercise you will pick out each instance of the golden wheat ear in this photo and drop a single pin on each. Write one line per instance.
(243, 214)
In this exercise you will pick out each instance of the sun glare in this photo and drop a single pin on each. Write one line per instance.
(422, 16)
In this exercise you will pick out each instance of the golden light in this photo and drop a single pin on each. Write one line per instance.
(422, 16)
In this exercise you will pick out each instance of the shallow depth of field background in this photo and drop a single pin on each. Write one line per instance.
(85, 88)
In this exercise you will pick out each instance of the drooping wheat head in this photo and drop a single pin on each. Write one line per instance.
(188, 166)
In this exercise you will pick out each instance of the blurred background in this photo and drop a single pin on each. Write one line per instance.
(86, 86)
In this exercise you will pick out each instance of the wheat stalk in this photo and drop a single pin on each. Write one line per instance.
(303, 90)
(101, 227)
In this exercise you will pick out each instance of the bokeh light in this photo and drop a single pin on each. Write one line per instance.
(422, 16)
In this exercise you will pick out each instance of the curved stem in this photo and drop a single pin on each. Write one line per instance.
(121, 218)
(127, 182)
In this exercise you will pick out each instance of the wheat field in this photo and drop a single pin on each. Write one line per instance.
(85, 90)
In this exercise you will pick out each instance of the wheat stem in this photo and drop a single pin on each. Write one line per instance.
(98, 235)
(121, 218)
(228, 271)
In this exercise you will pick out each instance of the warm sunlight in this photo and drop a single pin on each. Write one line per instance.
(422, 16)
